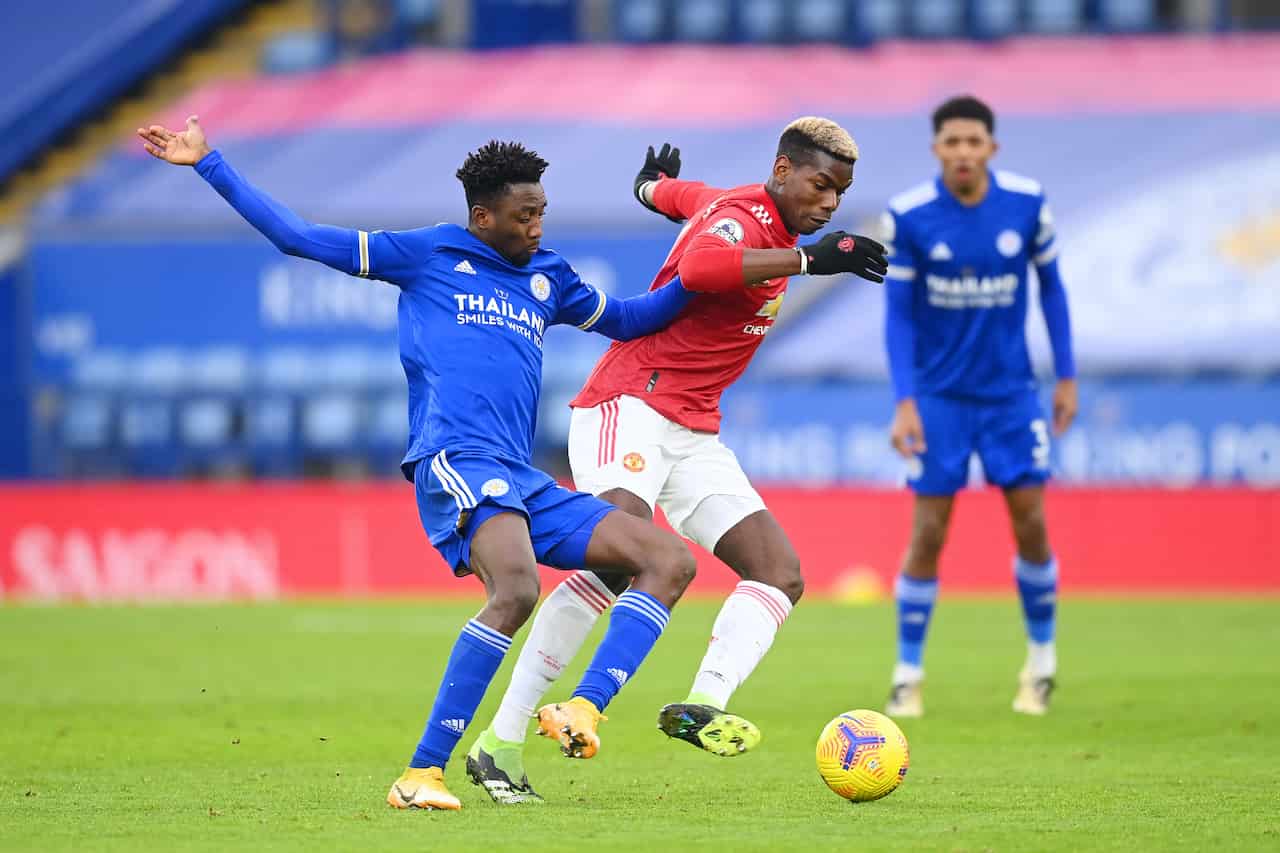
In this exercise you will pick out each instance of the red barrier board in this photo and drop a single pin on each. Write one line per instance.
(209, 542)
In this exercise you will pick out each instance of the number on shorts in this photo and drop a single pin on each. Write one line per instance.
(1040, 453)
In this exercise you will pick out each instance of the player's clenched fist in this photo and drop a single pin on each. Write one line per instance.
(907, 431)
(843, 252)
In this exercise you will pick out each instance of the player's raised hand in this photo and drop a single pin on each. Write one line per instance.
(1066, 402)
(664, 163)
(184, 148)
(907, 431)
(841, 251)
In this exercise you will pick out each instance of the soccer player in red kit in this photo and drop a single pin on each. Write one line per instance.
(644, 434)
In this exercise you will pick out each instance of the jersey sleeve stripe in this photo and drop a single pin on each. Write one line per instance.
(902, 273)
(1046, 256)
(591, 321)
(364, 254)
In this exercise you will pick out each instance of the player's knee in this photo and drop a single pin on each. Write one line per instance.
(927, 538)
(783, 574)
(1030, 530)
(675, 563)
(514, 600)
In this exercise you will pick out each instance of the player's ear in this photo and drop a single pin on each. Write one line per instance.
(995, 146)
(781, 168)
(481, 216)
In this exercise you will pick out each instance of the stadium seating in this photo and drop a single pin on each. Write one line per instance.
(102, 47)
(292, 367)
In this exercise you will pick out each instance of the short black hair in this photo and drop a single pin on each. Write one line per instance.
(489, 170)
(964, 106)
(800, 148)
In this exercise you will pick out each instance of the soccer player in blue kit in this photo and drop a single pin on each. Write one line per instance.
(474, 303)
(959, 248)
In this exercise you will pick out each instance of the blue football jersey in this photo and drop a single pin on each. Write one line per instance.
(967, 269)
(471, 326)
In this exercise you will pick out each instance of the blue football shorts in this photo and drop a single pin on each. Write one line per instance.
(1010, 437)
(457, 493)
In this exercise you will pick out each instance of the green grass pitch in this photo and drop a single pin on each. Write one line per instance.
(281, 727)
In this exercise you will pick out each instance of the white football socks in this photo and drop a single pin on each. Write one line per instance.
(907, 673)
(1042, 659)
(743, 632)
(559, 629)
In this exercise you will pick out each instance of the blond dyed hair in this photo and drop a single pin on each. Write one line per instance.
(821, 133)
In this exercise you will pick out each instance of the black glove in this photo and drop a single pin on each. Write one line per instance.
(665, 162)
(841, 251)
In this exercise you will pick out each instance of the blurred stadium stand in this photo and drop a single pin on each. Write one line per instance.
(157, 336)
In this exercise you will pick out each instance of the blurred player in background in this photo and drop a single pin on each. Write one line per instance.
(959, 248)
(473, 306)
(644, 432)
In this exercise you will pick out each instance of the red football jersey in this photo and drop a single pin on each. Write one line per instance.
(682, 370)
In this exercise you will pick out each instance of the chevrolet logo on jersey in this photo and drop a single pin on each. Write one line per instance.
(770, 308)
(769, 311)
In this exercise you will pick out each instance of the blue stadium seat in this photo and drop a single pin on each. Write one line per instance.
(1127, 15)
(330, 421)
(702, 20)
(145, 422)
(288, 369)
(224, 369)
(86, 422)
(938, 18)
(298, 51)
(640, 20)
(346, 367)
(163, 370)
(822, 20)
(995, 18)
(418, 13)
(101, 370)
(880, 19)
(205, 422)
(1055, 16)
(762, 20)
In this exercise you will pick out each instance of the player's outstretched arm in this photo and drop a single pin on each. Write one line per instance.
(637, 316)
(330, 245)
(714, 267)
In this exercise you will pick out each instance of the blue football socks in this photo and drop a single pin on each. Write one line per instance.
(635, 625)
(474, 661)
(1038, 589)
(915, 606)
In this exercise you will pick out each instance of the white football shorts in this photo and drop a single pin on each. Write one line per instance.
(691, 476)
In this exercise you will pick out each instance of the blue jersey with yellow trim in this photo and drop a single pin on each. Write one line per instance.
(471, 326)
(967, 270)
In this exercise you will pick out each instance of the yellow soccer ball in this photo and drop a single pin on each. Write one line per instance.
(862, 755)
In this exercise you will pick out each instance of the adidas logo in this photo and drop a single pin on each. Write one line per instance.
(914, 618)
(619, 675)
(1046, 598)
(465, 266)
(458, 726)
(940, 252)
